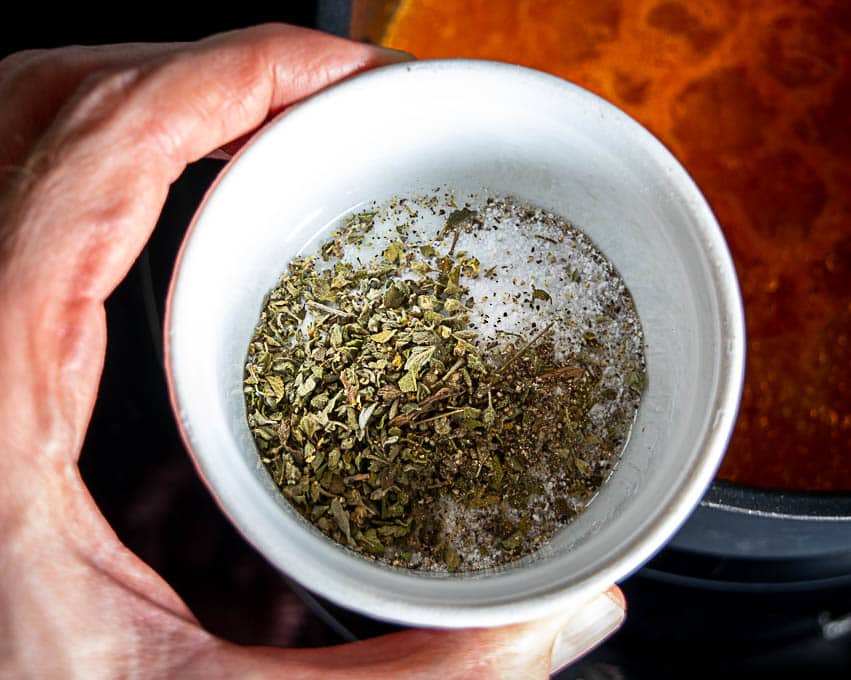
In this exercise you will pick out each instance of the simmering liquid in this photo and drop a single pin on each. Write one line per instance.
(755, 100)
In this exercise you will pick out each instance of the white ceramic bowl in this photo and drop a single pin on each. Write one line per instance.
(470, 125)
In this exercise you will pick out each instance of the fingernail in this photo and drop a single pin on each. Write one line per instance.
(592, 623)
(392, 56)
(615, 594)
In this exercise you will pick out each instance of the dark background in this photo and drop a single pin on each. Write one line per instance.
(77, 25)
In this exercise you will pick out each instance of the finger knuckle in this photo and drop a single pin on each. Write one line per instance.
(106, 84)
(94, 110)
(99, 95)
(15, 60)
(35, 65)
(21, 64)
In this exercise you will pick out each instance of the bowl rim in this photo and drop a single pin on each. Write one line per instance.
(659, 528)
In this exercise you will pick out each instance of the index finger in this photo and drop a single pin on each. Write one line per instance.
(39, 82)
(113, 150)
(86, 199)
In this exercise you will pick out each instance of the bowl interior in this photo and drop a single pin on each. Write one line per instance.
(467, 125)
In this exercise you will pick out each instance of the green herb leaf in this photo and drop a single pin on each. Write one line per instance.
(408, 383)
(277, 386)
(383, 336)
(418, 359)
(393, 252)
(540, 294)
(341, 518)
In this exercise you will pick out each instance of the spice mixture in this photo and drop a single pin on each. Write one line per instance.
(442, 386)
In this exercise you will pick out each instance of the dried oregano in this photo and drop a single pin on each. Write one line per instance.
(399, 428)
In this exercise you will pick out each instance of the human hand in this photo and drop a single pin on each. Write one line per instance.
(91, 140)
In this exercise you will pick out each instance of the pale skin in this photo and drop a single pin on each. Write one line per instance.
(90, 140)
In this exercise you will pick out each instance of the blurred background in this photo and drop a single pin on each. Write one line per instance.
(754, 98)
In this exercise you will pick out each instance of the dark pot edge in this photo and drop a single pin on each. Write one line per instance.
(798, 505)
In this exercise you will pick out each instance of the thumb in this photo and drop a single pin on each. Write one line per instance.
(531, 650)
(588, 627)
